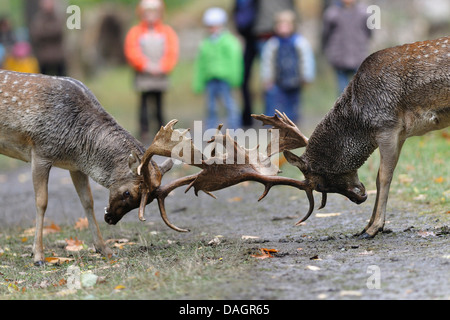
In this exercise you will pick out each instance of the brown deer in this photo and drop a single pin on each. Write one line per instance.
(397, 93)
(51, 121)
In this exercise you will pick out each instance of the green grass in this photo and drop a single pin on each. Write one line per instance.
(152, 266)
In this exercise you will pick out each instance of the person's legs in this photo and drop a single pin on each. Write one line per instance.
(159, 108)
(143, 115)
(211, 97)
(271, 101)
(250, 54)
(292, 105)
(344, 76)
(230, 105)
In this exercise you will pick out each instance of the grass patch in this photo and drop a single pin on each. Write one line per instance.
(152, 265)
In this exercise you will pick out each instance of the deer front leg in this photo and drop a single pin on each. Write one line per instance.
(82, 186)
(40, 170)
(389, 154)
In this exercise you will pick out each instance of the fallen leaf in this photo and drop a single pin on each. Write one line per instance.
(58, 260)
(439, 180)
(74, 245)
(316, 257)
(446, 135)
(249, 237)
(122, 245)
(328, 215)
(426, 234)
(265, 253)
(53, 228)
(123, 240)
(119, 287)
(354, 293)
(216, 241)
(313, 268)
(235, 199)
(420, 197)
(81, 224)
(405, 179)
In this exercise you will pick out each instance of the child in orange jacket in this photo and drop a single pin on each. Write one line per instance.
(151, 48)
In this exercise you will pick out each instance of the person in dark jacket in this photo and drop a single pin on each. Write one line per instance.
(254, 21)
(47, 34)
(345, 38)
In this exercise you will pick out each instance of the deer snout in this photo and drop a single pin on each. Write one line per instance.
(358, 194)
(110, 219)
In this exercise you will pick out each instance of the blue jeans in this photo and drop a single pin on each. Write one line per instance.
(344, 76)
(221, 90)
(285, 101)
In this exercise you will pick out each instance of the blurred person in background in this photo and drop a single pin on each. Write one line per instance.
(345, 38)
(7, 38)
(219, 68)
(254, 21)
(2, 55)
(287, 64)
(20, 59)
(47, 36)
(152, 49)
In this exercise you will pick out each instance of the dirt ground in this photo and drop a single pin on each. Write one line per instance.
(318, 260)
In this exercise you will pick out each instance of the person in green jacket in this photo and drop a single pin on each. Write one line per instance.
(219, 68)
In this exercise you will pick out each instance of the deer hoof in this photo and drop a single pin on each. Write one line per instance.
(39, 263)
(365, 236)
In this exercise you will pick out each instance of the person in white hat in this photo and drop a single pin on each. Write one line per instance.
(219, 68)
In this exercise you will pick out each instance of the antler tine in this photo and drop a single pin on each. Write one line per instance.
(311, 207)
(271, 181)
(290, 137)
(324, 201)
(163, 192)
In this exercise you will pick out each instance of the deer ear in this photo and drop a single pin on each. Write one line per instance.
(166, 166)
(295, 161)
(134, 162)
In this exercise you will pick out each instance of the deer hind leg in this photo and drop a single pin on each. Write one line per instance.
(40, 170)
(390, 149)
(82, 186)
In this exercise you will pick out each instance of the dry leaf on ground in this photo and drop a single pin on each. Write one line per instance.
(81, 224)
(58, 260)
(74, 245)
(265, 253)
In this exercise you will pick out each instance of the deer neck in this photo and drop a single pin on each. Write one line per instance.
(105, 158)
(341, 143)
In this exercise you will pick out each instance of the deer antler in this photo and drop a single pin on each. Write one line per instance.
(219, 171)
(290, 138)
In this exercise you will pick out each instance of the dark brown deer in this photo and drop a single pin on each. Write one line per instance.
(52, 121)
(397, 93)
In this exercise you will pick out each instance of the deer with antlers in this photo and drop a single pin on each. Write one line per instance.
(397, 93)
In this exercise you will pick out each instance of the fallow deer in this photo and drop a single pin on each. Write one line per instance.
(50, 121)
(397, 93)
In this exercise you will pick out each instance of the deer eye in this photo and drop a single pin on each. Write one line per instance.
(126, 195)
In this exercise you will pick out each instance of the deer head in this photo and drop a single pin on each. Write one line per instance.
(320, 180)
(126, 194)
